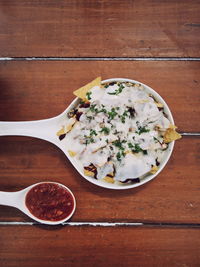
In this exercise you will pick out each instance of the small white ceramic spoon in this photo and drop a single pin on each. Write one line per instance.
(18, 200)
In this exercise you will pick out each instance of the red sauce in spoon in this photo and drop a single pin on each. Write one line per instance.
(50, 202)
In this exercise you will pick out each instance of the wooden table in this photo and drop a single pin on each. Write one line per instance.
(50, 48)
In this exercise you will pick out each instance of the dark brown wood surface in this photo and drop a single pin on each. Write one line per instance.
(101, 28)
(95, 246)
(52, 49)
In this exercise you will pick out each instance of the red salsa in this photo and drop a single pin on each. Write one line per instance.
(50, 202)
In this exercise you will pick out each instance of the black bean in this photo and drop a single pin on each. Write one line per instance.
(62, 136)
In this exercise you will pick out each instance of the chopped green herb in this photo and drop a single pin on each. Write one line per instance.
(130, 145)
(123, 116)
(105, 130)
(137, 149)
(89, 118)
(88, 140)
(92, 132)
(142, 130)
(93, 107)
(88, 94)
(117, 91)
(118, 144)
(102, 110)
(118, 156)
(106, 86)
(112, 114)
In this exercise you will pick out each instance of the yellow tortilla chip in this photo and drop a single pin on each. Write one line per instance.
(67, 128)
(159, 105)
(109, 179)
(61, 131)
(72, 153)
(154, 169)
(88, 173)
(82, 92)
(171, 134)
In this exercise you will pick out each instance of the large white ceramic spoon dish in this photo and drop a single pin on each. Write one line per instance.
(47, 129)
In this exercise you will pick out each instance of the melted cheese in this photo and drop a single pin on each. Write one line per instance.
(119, 132)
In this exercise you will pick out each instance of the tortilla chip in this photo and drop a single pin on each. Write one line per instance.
(171, 134)
(67, 128)
(154, 169)
(159, 105)
(88, 173)
(61, 131)
(81, 92)
(109, 179)
(72, 153)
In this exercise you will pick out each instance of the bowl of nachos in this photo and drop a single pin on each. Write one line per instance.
(119, 134)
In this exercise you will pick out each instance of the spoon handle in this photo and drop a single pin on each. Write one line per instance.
(43, 129)
(9, 199)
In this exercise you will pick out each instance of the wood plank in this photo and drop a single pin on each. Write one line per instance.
(171, 197)
(95, 246)
(100, 28)
(37, 90)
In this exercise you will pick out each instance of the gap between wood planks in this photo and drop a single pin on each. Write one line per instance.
(108, 224)
(100, 58)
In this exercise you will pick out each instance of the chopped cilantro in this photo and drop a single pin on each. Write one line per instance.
(123, 116)
(88, 140)
(117, 91)
(142, 130)
(118, 156)
(89, 118)
(136, 148)
(106, 86)
(102, 110)
(105, 130)
(112, 114)
(92, 132)
(145, 152)
(118, 144)
(93, 107)
(130, 145)
(88, 94)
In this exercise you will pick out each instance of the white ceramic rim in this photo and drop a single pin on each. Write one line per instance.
(167, 154)
(27, 211)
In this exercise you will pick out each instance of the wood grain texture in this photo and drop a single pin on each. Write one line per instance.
(154, 28)
(88, 246)
(171, 197)
(38, 90)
